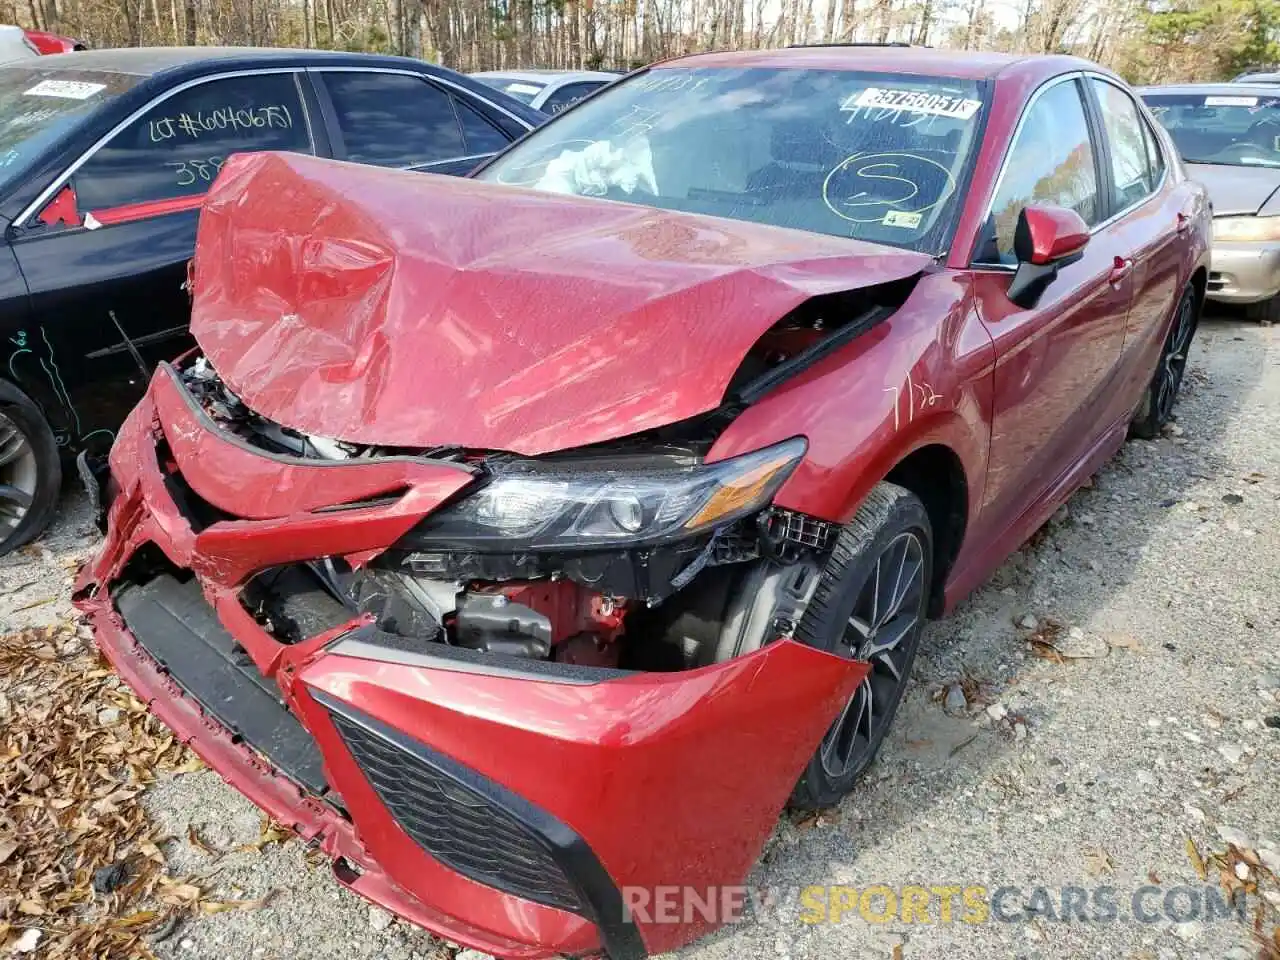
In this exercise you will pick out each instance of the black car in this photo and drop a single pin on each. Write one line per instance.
(105, 157)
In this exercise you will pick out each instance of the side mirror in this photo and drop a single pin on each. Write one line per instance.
(1045, 240)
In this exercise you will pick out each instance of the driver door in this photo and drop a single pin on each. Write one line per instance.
(1056, 361)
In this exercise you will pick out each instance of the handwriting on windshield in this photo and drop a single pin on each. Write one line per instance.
(867, 187)
(188, 172)
(195, 125)
(32, 117)
(668, 81)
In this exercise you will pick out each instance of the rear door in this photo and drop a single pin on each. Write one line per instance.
(405, 120)
(105, 255)
(1055, 362)
(1150, 217)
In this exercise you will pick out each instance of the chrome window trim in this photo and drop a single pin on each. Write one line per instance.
(59, 181)
(1013, 140)
(430, 78)
(440, 163)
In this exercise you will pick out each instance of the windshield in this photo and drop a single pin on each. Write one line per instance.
(522, 90)
(878, 157)
(39, 106)
(1236, 130)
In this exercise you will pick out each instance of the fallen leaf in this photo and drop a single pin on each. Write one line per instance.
(270, 832)
(221, 906)
(7, 848)
(1196, 860)
(1097, 861)
(193, 838)
(31, 908)
(897, 951)
(179, 893)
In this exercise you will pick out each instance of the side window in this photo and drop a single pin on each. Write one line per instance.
(567, 96)
(177, 147)
(481, 135)
(1154, 160)
(1051, 162)
(1131, 174)
(394, 120)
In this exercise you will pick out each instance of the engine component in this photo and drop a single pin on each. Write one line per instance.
(404, 605)
(492, 623)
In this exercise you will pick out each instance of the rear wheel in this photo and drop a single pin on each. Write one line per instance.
(1157, 403)
(30, 469)
(869, 605)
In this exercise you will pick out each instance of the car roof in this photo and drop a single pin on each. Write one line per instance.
(149, 61)
(1214, 89)
(924, 61)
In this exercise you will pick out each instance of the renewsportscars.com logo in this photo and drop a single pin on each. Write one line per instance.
(935, 904)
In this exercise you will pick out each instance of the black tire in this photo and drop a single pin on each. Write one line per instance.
(1156, 408)
(891, 516)
(25, 440)
(1267, 312)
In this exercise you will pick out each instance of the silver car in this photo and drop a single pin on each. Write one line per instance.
(547, 90)
(1229, 136)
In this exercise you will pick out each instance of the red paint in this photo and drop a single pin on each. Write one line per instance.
(1055, 233)
(48, 43)
(616, 747)
(432, 311)
(147, 209)
(506, 308)
(61, 209)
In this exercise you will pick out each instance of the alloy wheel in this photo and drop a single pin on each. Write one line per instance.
(1174, 361)
(883, 629)
(18, 476)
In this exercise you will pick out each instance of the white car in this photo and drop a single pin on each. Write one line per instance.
(547, 90)
(14, 44)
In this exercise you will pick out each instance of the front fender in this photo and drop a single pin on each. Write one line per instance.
(921, 377)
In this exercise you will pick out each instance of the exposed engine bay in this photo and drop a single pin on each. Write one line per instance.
(617, 580)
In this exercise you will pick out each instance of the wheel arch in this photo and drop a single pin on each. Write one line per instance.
(935, 473)
(1200, 283)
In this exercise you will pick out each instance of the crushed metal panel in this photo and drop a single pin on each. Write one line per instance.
(391, 308)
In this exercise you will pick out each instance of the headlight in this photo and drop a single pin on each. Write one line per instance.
(1246, 229)
(579, 505)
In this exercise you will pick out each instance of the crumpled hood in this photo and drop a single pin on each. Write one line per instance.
(1235, 190)
(406, 309)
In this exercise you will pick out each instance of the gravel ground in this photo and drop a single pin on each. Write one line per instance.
(1091, 769)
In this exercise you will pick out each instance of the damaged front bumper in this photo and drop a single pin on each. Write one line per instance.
(503, 803)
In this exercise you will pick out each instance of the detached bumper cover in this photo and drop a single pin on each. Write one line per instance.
(503, 804)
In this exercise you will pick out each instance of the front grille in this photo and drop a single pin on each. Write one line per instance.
(451, 813)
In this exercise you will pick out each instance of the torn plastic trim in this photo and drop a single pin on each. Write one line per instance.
(198, 412)
(370, 643)
(756, 389)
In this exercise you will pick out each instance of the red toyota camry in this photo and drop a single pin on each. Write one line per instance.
(528, 541)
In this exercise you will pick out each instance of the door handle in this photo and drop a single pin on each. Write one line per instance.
(1120, 269)
(1183, 223)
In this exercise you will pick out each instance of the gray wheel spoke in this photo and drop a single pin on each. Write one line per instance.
(885, 659)
(13, 444)
(860, 625)
(889, 637)
(14, 504)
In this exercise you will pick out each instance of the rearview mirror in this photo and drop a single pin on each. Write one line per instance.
(1045, 240)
